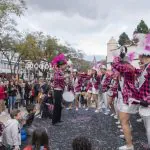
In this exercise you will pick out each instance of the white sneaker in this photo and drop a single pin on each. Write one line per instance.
(119, 126)
(106, 113)
(122, 136)
(96, 111)
(108, 110)
(112, 115)
(118, 122)
(121, 130)
(125, 147)
(87, 109)
(139, 120)
(77, 109)
(115, 117)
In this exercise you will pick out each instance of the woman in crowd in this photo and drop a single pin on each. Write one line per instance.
(18, 93)
(12, 92)
(27, 93)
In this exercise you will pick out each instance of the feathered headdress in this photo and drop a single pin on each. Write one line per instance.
(143, 47)
(59, 60)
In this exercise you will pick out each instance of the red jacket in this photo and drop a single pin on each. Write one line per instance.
(93, 82)
(128, 72)
(2, 93)
(143, 91)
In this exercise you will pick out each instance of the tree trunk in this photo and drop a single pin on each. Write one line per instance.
(11, 71)
(44, 74)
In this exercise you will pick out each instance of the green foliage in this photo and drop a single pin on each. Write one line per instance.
(38, 47)
(142, 28)
(123, 39)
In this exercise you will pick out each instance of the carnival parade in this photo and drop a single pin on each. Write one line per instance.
(65, 84)
(117, 93)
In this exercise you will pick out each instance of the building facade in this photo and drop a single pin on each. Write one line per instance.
(4, 63)
(25, 69)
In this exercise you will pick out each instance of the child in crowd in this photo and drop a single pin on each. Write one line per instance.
(31, 112)
(39, 140)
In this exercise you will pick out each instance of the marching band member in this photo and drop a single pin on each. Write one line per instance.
(92, 89)
(142, 93)
(127, 76)
(77, 83)
(112, 92)
(104, 85)
(69, 85)
(59, 84)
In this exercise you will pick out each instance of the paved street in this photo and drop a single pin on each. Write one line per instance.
(100, 129)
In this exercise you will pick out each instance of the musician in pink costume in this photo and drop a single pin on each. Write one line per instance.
(93, 89)
(77, 84)
(142, 92)
(103, 88)
(127, 76)
(59, 84)
(113, 91)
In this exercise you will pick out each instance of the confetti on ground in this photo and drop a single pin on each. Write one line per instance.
(99, 128)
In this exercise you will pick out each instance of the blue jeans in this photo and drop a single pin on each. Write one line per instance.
(11, 102)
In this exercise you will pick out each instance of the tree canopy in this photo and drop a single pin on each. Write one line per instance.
(123, 39)
(142, 28)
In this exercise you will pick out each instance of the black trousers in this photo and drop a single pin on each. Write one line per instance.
(57, 106)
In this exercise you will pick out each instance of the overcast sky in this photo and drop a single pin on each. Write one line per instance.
(85, 24)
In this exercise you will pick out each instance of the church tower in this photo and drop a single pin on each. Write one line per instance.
(111, 47)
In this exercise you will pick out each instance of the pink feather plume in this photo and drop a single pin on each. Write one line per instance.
(131, 56)
(147, 42)
(58, 58)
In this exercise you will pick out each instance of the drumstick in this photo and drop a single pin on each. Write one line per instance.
(131, 100)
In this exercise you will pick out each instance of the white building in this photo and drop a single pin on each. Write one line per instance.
(112, 50)
(26, 71)
(4, 64)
